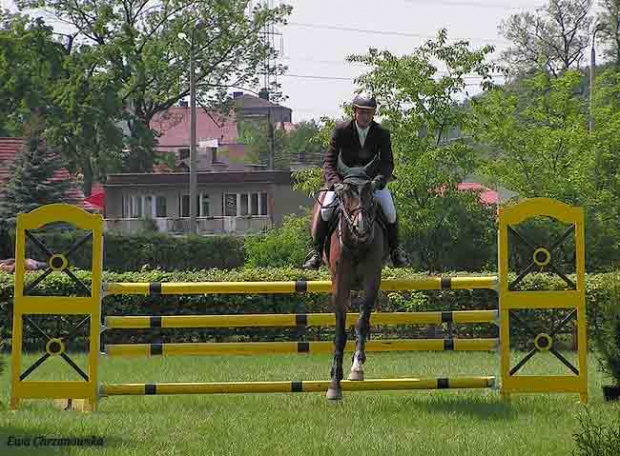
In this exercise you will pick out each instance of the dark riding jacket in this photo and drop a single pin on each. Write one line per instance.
(346, 143)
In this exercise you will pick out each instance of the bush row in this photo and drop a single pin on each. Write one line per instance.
(140, 251)
(433, 300)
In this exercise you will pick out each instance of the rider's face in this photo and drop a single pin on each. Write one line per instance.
(363, 117)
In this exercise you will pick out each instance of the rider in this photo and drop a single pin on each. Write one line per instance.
(358, 142)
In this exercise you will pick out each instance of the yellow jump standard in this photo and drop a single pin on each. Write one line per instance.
(511, 299)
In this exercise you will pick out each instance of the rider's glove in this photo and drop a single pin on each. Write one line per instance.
(378, 183)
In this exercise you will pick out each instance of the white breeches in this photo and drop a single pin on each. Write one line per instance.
(383, 196)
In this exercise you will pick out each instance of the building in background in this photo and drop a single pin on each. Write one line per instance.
(234, 194)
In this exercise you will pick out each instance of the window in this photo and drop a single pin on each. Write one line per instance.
(184, 206)
(148, 206)
(160, 207)
(205, 208)
(263, 204)
(214, 155)
(244, 204)
(230, 204)
(139, 206)
(202, 203)
(254, 204)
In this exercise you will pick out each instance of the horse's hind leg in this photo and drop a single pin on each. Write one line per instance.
(362, 328)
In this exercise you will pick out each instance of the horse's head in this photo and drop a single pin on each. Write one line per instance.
(357, 201)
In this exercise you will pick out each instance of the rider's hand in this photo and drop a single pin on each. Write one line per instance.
(339, 188)
(378, 183)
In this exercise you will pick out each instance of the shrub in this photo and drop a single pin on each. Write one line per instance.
(150, 250)
(280, 247)
(597, 436)
(424, 300)
(606, 328)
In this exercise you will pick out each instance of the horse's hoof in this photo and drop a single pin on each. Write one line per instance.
(334, 394)
(356, 375)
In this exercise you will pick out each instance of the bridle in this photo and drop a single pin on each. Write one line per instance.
(349, 216)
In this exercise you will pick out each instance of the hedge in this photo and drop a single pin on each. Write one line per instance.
(445, 300)
(123, 252)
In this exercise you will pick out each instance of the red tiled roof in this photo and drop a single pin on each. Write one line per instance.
(8, 150)
(487, 195)
(9, 147)
(173, 127)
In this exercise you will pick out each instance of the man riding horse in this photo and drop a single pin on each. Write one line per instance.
(358, 143)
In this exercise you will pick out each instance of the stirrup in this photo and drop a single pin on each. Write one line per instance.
(313, 261)
(398, 258)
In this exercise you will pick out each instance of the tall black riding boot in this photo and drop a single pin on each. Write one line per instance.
(396, 254)
(315, 255)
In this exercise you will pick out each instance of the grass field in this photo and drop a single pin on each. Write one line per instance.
(473, 422)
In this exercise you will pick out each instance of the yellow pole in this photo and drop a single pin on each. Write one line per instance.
(300, 286)
(145, 389)
(259, 348)
(318, 319)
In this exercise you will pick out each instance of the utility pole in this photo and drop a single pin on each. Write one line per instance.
(592, 75)
(597, 27)
(193, 181)
(271, 163)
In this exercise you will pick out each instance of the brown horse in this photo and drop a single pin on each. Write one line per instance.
(355, 256)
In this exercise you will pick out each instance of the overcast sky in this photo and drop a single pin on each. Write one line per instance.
(321, 33)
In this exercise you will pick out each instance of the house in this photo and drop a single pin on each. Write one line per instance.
(228, 202)
(218, 148)
(233, 196)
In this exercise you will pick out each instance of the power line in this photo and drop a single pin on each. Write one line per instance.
(483, 5)
(386, 33)
(310, 76)
(340, 78)
(346, 64)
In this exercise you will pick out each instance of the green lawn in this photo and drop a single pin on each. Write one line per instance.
(443, 423)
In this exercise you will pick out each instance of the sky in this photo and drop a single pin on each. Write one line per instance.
(322, 33)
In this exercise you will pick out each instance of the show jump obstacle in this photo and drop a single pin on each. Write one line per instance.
(511, 300)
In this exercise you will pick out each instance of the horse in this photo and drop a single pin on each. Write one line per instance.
(354, 254)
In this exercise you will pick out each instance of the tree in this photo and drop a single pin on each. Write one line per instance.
(551, 40)
(304, 143)
(420, 106)
(30, 64)
(86, 119)
(79, 104)
(301, 144)
(33, 180)
(540, 138)
(609, 20)
(144, 55)
(541, 147)
(603, 211)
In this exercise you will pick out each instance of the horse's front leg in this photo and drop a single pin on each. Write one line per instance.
(340, 298)
(362, 328)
